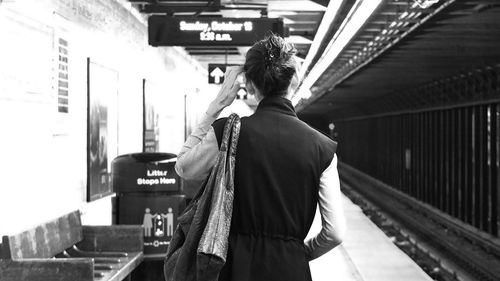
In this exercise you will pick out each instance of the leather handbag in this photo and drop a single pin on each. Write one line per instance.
(199, 245)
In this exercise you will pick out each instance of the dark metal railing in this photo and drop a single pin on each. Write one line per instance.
(447, 158)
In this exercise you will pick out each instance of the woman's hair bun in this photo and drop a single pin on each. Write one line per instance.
(270, 65)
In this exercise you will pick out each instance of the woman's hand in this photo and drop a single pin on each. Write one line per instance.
(228, 91)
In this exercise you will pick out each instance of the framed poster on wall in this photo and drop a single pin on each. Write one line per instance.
(151, 128)
(102, 90)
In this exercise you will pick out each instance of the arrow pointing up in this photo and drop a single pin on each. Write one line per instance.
(217, 74)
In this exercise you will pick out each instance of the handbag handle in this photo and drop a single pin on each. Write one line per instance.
(235, 134)
(229, 132)
(231, 129)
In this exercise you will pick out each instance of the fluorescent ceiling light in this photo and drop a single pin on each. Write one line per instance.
(277, 14)
(424, 4)
(240, 13)
(328, 18)
(288, 21)
(296, 39)
(299, 59)
(357, 17)
(302, 93)
(294, 5)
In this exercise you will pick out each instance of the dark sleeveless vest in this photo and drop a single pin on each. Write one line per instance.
(278, 166)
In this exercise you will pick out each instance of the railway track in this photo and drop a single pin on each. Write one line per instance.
(475, 253)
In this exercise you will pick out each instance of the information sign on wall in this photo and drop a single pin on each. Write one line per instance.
(158, 216)
(62, 76)
(191, 31)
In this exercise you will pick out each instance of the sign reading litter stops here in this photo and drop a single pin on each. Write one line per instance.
(141, 172)
(192, 31)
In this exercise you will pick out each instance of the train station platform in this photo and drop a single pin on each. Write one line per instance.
(366, 254)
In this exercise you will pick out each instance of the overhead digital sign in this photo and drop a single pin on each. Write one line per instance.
(191, 31)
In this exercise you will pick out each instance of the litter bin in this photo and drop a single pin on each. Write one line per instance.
(149, 192)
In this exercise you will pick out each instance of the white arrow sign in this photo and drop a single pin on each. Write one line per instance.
(217, 74)
(242, 94)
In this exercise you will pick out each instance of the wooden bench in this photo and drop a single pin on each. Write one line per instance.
(64, 249)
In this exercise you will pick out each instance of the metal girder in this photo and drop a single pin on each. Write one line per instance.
(463, 88)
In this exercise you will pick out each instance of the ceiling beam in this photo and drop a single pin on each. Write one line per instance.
(323, 3)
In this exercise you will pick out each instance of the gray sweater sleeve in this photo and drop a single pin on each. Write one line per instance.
(199, 152)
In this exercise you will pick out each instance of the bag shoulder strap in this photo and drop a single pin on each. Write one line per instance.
(235, 134)
(226, 135)
(232, 121)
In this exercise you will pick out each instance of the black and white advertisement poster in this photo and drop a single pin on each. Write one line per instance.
(151, 132)
(101, 90)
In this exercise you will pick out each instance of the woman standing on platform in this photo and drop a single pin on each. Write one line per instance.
(284, 168)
